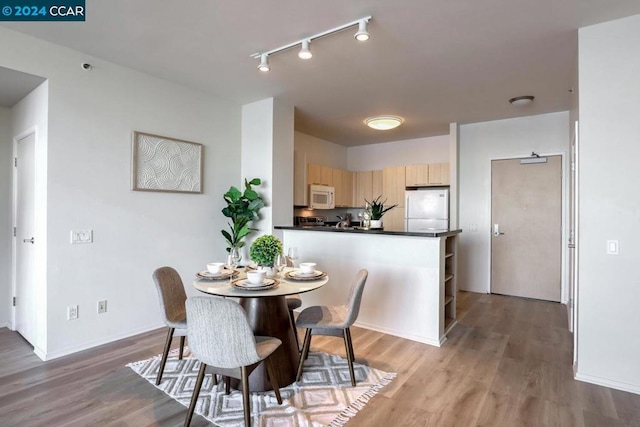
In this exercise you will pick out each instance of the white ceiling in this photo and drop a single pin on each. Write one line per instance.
(430, 61)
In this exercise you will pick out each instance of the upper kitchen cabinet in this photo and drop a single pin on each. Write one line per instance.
(299, 178)
(439, 174)
(343, 183)
(376, 184)
(417, 175)
(427, 175)
(393, 185)
(364, 187)
(319, 175)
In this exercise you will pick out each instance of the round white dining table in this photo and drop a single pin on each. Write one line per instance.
(268, 315)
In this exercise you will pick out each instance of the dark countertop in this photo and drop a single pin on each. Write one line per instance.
(327, 229)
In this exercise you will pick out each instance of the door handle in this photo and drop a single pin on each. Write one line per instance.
(496, 230)
(31, 240)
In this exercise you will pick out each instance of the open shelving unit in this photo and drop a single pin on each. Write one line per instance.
(450, 288)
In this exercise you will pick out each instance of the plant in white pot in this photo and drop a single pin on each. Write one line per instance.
(377, 210)
(264, 251)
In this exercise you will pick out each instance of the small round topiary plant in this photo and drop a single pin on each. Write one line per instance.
(265, 249)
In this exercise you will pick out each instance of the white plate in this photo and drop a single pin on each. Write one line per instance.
(298, 273)
(224, 274)
(245, 284)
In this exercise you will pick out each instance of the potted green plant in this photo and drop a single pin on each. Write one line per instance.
(242, 208)
(377, 211)
(264, 251)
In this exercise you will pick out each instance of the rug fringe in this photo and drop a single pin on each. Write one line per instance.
(350, 412)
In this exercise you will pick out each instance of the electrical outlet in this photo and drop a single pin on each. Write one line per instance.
(102, 306)
(72, 312)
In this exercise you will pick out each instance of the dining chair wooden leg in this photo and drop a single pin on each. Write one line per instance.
(246, 404)
(181, 348)
(273, 380)
(196, 392)
(353, 355)
(227, 385)
(305, 351)
(165, 353)
(347, 346)
(295, 329)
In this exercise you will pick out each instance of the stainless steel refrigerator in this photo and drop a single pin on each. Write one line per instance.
(427, 210)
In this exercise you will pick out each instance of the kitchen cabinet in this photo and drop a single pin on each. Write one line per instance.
(393, 185)
(417, 175)
(300, 178)
(343, 183)
(364, 187)
(427, 175)
(376, 185)
(439, 174)
(319, 175)
(393, 220)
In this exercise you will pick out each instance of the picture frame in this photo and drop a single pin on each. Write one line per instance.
(165, 164)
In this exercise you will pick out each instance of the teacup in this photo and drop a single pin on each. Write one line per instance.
(307, 267)
(215, 267)
(256, 277)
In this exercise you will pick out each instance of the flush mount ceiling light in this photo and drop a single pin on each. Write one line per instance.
(305, 53)
(384, 122)
(522, 100)
(264, 63)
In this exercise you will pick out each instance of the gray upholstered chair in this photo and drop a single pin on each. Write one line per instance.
(220, 337)
(333, 321)
(172, 306)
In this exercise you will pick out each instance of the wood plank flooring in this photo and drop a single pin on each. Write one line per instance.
(507, 363)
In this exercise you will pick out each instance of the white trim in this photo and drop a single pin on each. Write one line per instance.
(564, 256)
(106, 340)
(14, 219)
(395, 333)
(6, 325)
(618, 385)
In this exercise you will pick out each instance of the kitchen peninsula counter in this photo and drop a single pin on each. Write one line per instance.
(411, 288)
(360, 230)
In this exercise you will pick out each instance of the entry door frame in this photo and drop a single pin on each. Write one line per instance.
(40, 297)
(564, 270)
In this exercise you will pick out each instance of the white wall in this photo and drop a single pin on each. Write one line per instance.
(91, 118)
(6, 163)
(609, 287)
(321, 152)
(30, 115)
(267, 147)
(399, 153)
(479, 144)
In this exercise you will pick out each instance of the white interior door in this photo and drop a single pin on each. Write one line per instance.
(24, 310)
(526, 215)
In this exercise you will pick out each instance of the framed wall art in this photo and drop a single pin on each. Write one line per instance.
(160, 163)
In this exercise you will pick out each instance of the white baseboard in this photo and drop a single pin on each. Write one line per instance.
(412, 337)
(631, 388)
(85, 346)
(6, 325)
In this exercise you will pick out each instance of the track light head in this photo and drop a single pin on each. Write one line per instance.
(305, 52)
(264, 63)
(362, 35)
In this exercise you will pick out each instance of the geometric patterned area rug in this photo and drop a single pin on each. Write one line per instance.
(324, 397)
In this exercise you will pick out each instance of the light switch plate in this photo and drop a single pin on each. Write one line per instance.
(613, 247)
(81, 236)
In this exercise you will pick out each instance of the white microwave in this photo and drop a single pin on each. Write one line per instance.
(321, 197)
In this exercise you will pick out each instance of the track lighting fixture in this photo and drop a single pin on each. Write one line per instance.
(305, 52)
(264, 63)
(362, 35)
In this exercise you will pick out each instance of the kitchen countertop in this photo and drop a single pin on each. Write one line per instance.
(356, 230)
